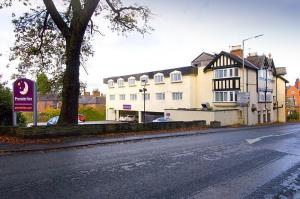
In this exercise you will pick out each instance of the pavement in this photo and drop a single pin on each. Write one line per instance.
(252, 162)
(74, 142)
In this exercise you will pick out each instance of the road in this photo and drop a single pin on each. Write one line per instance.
(238, 164)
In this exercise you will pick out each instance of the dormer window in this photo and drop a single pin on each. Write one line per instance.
(176, 76)
(144, 79)
(131, 81)
(159, 78)
(110, 83)
(120, 82)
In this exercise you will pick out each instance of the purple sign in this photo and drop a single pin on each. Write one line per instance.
(126, 106)
(23, 95)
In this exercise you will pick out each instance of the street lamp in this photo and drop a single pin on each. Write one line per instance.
(243, 44)
(143, 90)
(244, 79)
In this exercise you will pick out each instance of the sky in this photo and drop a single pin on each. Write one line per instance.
(183, 30)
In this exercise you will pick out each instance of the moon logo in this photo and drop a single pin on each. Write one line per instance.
(25, 90)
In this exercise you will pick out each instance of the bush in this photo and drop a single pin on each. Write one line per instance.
(6, 108)
(93, 114)
(293, 116)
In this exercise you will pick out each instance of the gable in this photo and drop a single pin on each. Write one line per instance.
(227, 60)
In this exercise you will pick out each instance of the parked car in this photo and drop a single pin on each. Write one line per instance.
(128, 118)
(54, 120)
(162, 119)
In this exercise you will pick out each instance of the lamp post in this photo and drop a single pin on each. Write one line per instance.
(244, 79)
(143, 90)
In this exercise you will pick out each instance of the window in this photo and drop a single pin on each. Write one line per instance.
(147, 96)
(120, 82)
(225, 96)
(176, 76)
(144, 79)
(177, 96)
(160, 96)
(133, 97)
(131, 81)
(112, 97)
(159, 78)
(110, 83)
(226, 73)
(261, 97)
(122, 96)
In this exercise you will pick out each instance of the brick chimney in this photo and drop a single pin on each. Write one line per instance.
(237, 51)
(96, 93)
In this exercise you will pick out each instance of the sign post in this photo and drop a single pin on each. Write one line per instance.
(24, 98)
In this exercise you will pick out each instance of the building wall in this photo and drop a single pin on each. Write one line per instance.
(187, 87)
(227, 117)
(281, 97)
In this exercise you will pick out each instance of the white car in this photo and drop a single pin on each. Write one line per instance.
(162, 119)
(128, 118)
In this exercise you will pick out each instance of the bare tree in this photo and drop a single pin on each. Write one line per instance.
(58, 42)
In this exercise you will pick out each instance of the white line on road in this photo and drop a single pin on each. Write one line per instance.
(252, 141)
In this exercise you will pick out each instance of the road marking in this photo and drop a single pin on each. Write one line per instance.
(252, 141)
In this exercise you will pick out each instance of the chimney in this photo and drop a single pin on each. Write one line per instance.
(252, 54)
(237, 51)
(86, 94)
(96, 93)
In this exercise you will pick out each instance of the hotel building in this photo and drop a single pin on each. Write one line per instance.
(218, 87)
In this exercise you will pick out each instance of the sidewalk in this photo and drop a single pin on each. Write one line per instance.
(73, 142)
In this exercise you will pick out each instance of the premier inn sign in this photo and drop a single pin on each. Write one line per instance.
(23, 95)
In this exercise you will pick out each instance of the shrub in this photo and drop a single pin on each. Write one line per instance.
(294, 115)
(93, 114)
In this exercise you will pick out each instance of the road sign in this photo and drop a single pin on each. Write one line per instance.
(23, 100)
(243, 99)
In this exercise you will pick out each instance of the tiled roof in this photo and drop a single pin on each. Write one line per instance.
(184, 71)
(203, 57)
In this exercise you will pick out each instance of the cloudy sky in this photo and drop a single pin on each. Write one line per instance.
(183, 30)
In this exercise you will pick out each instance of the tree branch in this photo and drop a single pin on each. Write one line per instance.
(88, 11)
(60, 23)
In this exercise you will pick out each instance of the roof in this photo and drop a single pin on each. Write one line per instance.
(49, 97)
(285, 80)
(203, 57)
(187, 70)
(234, 57)
(280, 71)
(91, 100)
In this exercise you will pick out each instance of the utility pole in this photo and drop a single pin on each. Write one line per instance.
(244, 78)
(143, 90)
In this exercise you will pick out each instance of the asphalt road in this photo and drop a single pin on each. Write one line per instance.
(231, 165)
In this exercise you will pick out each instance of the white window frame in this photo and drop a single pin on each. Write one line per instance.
(110, 83)
(133, 97)
(159, 78)
(160, 96)
(225, 96)
(177, 96)
(226, 73)
(261, 96)
(176, 76)
(146, 77)
(131, 81)
(112, 97)
(122, 97)
(120, 82)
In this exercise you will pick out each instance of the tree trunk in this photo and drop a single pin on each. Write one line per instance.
(71, 86)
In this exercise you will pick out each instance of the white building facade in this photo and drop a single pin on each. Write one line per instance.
(207, 90)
